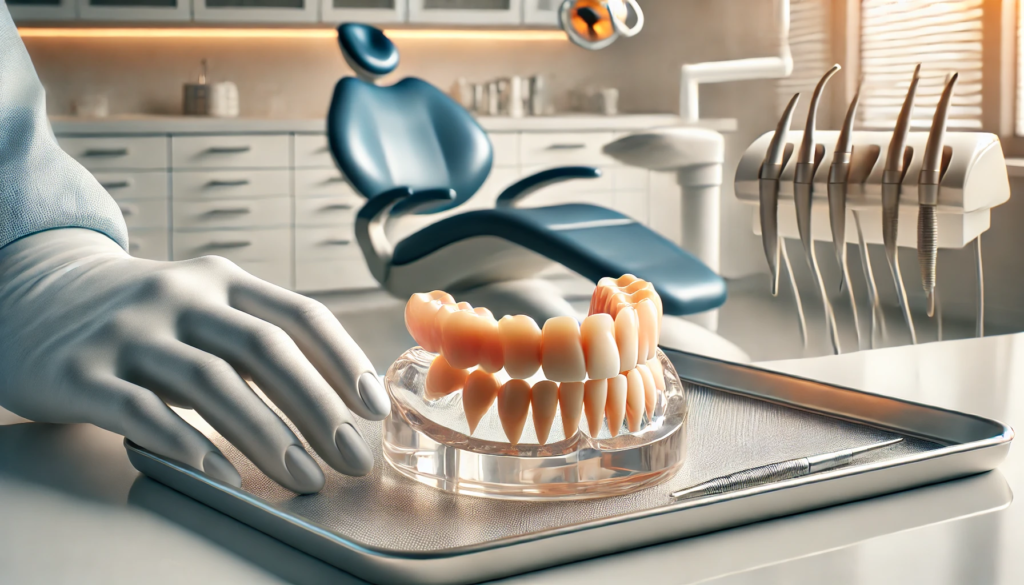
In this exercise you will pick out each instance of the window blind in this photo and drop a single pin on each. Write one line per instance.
(812, 55)
(944, 36)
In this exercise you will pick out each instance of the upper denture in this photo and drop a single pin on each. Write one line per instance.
(521, 344)
(562, 350)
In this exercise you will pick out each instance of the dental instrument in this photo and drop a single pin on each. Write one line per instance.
(980, 319)
(779, 471)
(595, 24)
(928, 196)
(771, 170)
(838, 179)
(808, 159)
(801, 318)
(877, 315)
(896, 163)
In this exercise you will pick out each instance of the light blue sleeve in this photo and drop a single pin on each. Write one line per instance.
(41, 187)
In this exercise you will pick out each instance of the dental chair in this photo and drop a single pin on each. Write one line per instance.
(411, 150)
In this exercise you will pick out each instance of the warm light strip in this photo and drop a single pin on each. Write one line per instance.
(284, 33)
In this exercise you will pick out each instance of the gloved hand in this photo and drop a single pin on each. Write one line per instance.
(90, 334)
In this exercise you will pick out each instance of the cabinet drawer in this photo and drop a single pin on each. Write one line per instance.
(563, 148)
(134, 185)
(338, 242)
(311, 151)
(506, 149)
(129, 152)
(144, 213)
(327, 210)
(233, 152)
(223, 184)
(232, 213)
(150, 244)
(235, 245)
(327, 275)
(322, 183)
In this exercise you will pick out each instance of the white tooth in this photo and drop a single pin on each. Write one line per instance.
(595, 397)
(657, 372)
(634, 400)
(562, 350)
(627, 338)
(520, 343)
(615, 408)
(647, 314)
(599, 347)
(570, 402)
(650, 390)
(513, 407)
(544, 400)
(478, 396)
(443, 379)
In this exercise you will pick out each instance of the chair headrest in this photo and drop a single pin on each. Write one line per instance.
(367, 50)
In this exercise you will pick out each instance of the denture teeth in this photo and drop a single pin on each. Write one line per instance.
(521, 345)
(615, 407)
(562, 350)
(570, 402)
(478, 396)
(463, 333)
(657, 372)
(599, 348)
(635, 400)
(647, 314)
(627, 338)
(443, 379)
(419, 317)
(544, 403)
(513, 406)
(650, 390)
(492, 357)
(595, 397)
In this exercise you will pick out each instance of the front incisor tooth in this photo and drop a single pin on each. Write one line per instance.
(491, 354)
(615, 408)
(513, 407)
(443, 379)
(635, 400)
(478, 396)
(520, 344)
(659, 374)
(562, 350)
(595, 397)
(627, 338)
(570, 402)
(544, 402)
(462, 335)
(599, 347)
(647, 315)
(650, 390)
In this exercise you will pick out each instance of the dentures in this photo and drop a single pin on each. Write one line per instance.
(605, 369)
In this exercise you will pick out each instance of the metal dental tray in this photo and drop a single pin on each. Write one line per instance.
(388, 529)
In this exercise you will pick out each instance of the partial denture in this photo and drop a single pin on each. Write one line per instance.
(606, 367)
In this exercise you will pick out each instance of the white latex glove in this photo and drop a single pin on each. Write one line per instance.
(90, 334)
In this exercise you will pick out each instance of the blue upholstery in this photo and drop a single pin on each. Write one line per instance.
(593, 241)
(538, 181)
(368, 48)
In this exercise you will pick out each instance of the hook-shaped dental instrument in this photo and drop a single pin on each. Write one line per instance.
(803, 195)
(892, 187)
(771, 170)
(877, 315)
(838, 179)
(796, 293)
(928, 196)
(980, 325)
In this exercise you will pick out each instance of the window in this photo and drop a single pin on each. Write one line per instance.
(812, 52)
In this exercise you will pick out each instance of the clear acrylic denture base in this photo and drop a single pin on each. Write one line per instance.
(429, 441)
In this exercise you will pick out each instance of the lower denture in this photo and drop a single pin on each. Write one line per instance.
(570, 403)
(513, 407)
(443, 379)
(481, 389)
(595, 397)
(544, 404)
(615, 407)
(635, 402)
(650, 390)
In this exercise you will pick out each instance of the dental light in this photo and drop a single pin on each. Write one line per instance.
(595, 24)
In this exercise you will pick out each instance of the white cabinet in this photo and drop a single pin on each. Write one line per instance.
(31, 10)
(135, 10)
(271, 11)
(542, 12)
(466, 11)
(371, 11)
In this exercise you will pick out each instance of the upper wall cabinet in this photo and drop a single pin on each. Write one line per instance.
(466, 11)
(542, 12)
(368, 11)
(25, 10)
(276, 11)
(135, 10)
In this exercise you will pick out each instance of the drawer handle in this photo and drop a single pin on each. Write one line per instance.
(337, 179)
(106, 152)
(116, 185)
(230, 211)
(235, 183)
(568, 146)
(336, 207)
(126, 211)
(228, 245)
(228, 149)
(337, 242)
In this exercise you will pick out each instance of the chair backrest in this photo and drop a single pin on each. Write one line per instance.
(406, 135)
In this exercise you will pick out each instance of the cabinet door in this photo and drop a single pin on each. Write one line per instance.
(135, 10)
(466, 11)
(372, 11)
(542, 12)
(256, 10)
(29, 10)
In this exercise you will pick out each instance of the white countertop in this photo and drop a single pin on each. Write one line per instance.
(143, 124)
(72, 509)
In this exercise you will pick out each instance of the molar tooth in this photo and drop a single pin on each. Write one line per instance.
(647, 314)
(520, 344)
(434, 332)
(647, 293)
(599, 348)
(480, 391)
(627, 338)
(491, 354)
(513, 406)
(595, 397)
(562, 350)
(657, 372)
(443, 379)
(462, 335)
(615, 408)
(625, 280)
(616, 303)
(650, 390)
(570, 401)
(544, 400)
(635, 400)
(419, 317)
(464, 306)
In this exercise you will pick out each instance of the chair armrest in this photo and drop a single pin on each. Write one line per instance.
(425, 200)
(536, 182)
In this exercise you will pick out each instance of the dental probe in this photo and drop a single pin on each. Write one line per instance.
(796, 293)
(928, 196)
(892, 187)
(779, 471)
(980, 325)
(877, 315)
(771, 170)
(803, 197)
(838, 179)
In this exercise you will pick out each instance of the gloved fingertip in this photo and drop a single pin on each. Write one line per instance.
(354, 450)
(373, 395)
(308, 476)
(217, 467)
